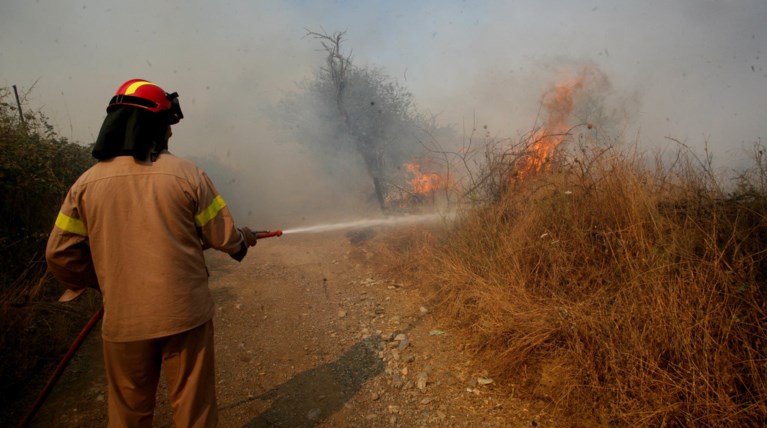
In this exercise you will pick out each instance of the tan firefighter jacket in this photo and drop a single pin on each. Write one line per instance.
(137, 231)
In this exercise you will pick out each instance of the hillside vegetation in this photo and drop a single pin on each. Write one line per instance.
(37, 166)
(622, 289)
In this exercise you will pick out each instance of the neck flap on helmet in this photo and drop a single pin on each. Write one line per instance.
(131, 131)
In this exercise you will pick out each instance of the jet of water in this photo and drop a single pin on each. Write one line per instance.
(356, 224)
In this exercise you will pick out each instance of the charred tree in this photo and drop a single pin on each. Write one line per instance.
(356, 119)
(338, 71)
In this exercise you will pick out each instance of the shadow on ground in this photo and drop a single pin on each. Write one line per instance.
(314, 395)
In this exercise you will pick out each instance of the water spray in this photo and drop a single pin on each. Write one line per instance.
(357, 224)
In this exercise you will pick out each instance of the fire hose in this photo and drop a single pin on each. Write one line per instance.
(261, 234)
(60, 368)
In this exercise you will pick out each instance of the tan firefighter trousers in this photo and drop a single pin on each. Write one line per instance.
(133, 372)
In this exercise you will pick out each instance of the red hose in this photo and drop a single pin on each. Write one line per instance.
(60, 368)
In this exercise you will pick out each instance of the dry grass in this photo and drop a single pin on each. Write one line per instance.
(630, 294)
(36, 333)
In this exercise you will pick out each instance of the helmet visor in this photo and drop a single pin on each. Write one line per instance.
(174, 112)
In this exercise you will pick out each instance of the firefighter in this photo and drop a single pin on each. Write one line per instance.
(135, 226)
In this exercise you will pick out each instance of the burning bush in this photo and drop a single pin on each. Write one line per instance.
(620, 293)
(358, 114)
(626, 295)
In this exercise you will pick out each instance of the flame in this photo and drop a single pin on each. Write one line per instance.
(425, 182)
(557, 104)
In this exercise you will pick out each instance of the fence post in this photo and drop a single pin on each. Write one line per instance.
(18, 103)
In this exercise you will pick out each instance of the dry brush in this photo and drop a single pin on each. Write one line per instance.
(628, 292)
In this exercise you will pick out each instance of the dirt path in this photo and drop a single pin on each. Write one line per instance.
(308, 335)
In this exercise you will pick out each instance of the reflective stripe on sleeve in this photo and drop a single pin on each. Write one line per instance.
(70, 224)
(210, 212)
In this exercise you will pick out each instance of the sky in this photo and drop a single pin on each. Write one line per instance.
(690, 70)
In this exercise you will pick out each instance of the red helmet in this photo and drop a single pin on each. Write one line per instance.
(148, 96)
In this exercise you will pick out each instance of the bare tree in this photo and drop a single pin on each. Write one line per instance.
(338, 70)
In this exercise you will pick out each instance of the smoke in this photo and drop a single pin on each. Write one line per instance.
(691, 70)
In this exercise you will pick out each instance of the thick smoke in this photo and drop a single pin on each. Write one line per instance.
(698, 68)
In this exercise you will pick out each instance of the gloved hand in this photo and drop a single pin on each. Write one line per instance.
(249, 236)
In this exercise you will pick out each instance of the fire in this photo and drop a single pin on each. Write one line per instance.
(425, 182)
(557, 104)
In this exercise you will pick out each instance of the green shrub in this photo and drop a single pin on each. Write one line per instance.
(36, 169)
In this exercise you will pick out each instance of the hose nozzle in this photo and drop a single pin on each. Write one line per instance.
(261, 234)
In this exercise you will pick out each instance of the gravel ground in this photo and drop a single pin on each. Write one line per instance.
(308, 335)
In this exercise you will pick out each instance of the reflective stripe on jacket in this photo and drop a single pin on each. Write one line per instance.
(138, 230)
